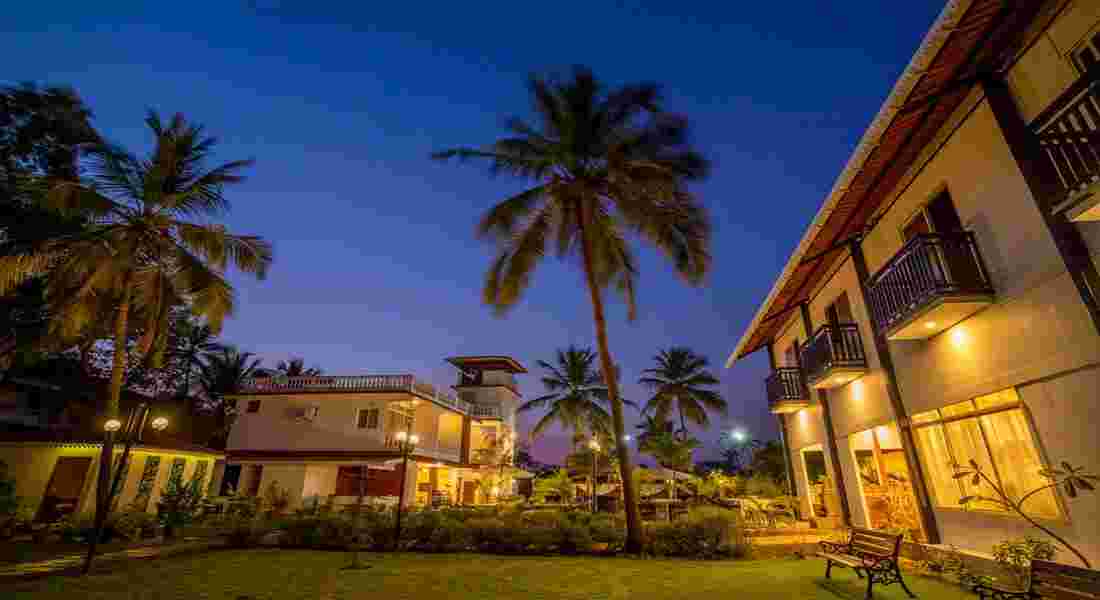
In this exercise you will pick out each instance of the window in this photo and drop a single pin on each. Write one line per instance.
(367, 418)
(993, 431)
(938, 216)
(399, 417)
(840, 311)
(253, 406)
(1087, 54)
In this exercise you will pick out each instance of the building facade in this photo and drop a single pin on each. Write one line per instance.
(333, 438)
(942, 307)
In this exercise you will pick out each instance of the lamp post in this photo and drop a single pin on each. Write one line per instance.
(406, 443)
(130, 434)
(595, 447)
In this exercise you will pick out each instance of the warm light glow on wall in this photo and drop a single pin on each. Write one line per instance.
(960, 339)
(857, 390)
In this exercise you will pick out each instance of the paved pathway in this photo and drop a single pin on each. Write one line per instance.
(69, 564)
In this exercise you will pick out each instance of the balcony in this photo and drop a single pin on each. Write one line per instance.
(933, 282)
(1069, 136)
(482, 411)
(785, 391)
(834, 356)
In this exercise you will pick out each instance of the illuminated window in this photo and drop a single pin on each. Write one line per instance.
(994, 431)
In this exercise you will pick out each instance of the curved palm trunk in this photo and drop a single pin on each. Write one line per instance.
(103, 480)
(633, 516)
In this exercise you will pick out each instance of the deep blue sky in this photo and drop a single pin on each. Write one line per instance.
(377, 269)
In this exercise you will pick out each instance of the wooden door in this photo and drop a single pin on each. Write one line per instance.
(66, 483)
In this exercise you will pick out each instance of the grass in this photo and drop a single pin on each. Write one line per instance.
(285, 574)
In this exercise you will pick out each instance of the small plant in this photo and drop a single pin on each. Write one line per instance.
(178, 504)
(277, 498)
(1071, 479)
(1018, 554)
(949, 563)
(9, 502)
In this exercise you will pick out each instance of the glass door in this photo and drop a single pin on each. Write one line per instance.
(885, 486)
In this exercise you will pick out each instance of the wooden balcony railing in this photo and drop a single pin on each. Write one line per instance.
(833, 347)
(929, 268)
(1069, 134)
(785, 390)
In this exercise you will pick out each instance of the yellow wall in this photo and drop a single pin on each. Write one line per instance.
(1045, 70)
(32, 464)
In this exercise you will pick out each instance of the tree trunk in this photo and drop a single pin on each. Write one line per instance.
(118, 364)
(633, 516)
(683, 422)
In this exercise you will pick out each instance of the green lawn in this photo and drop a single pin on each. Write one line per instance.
(279, 574)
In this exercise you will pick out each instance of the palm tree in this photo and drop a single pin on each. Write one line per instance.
(141, 256)
(296, 367)
(577, 398)
(193, 343)
(681, 378)
(221, 375)
(608, 165)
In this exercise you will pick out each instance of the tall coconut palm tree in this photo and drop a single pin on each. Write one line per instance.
(142, 255)
(193, 342)
(577, 397)
(680, 380)
(221, 375)
(608, 166)
(296, 367)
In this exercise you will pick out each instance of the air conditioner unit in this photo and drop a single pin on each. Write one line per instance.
(306, 413)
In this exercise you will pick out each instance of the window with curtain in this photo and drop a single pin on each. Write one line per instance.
(995, 432)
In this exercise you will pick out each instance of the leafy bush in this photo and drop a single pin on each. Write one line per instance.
(245, 532)
(318, 532)
(132, 525)
(178, 504)
(1017, 554)
(705, 533)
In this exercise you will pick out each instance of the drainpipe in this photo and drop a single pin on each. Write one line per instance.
(886, 361)
(783, 434)
(826, 415)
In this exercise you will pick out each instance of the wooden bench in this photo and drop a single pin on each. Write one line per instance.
(867, 552)
(1048, 580)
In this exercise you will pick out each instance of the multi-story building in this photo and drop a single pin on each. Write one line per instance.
(942, 306)
(332, 437)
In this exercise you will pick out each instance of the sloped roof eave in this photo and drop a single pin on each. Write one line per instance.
(926, 53)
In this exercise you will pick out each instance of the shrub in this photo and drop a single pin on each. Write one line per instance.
(132, 525)
(178, 504)
(245, 532)
(318, 532)
(706, 533)
(1017, 554)
(9, 502)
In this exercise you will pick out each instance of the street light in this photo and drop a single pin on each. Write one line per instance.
(595, 447)
(131, 434)
(406, 443)
(738, 435)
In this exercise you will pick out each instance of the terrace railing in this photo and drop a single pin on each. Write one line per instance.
(930, 267)
(1069, 135)
(353, 383)
(833, 346)
(784, 387)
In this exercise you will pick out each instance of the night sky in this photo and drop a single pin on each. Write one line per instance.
(377, 269)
